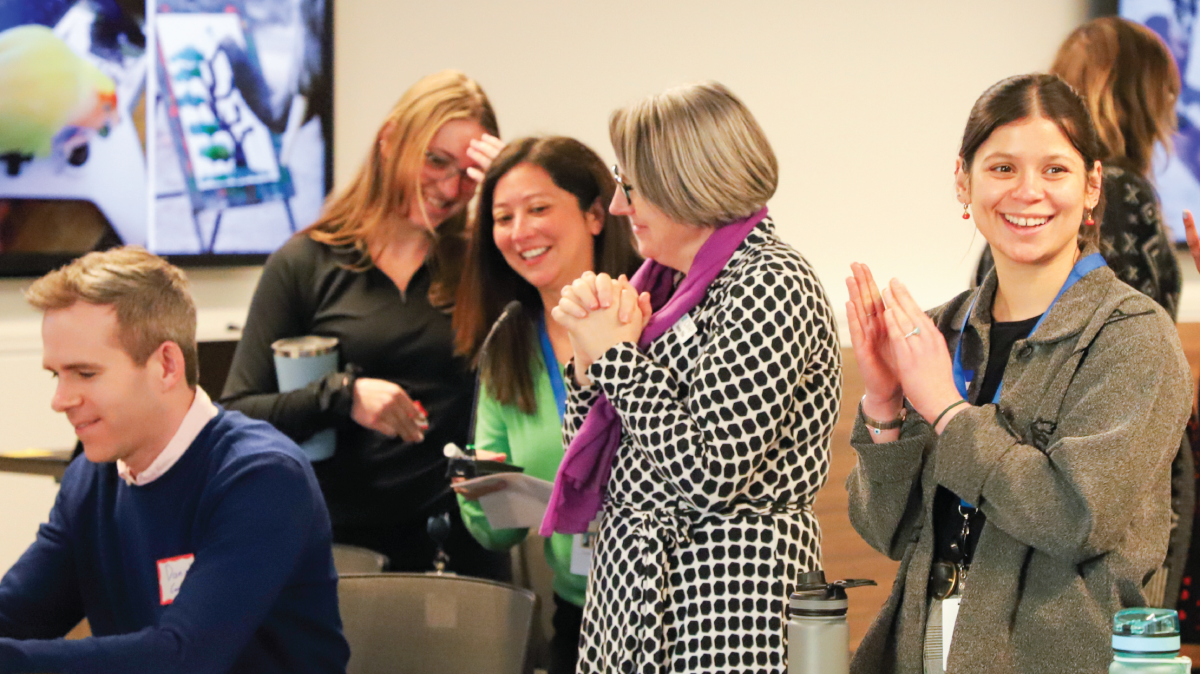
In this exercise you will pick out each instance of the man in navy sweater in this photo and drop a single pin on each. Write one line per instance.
(192, 538)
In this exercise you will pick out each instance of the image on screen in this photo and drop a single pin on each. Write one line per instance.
(239, 144)
(199, 129)
(1177, 178)
(72, 150)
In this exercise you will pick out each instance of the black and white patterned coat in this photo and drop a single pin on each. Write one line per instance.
(725, 442)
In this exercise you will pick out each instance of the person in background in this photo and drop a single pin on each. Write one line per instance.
(542, 222)
(699, 412)
(379, 271)
(1013, 446)
(1130, 83)
(191, 538)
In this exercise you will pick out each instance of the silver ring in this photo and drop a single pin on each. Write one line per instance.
(914, 331)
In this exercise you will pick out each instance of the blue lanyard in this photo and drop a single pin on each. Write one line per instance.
(552, 369)
(963, 377)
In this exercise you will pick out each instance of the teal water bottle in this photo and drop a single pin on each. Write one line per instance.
(1146, 641)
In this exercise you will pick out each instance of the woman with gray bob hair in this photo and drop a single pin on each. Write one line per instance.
(700, 401)
(697, 153)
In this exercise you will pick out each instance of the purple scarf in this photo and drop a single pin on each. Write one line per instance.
(583, 475)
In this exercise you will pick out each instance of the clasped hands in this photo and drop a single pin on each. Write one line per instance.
(600, 312)
(900, 352)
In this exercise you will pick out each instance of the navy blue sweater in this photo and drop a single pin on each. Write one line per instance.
(260, 595)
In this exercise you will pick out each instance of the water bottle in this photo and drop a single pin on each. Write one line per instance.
(298, 361)
(818, 636)
(1146, 641)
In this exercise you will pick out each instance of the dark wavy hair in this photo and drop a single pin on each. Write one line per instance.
(488, 283)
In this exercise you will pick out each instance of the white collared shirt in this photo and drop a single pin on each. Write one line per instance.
(199, 414)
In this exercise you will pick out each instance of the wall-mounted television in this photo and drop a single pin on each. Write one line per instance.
(199, 129)
(1177, 177)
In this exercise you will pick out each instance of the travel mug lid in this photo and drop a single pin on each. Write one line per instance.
(1146, 630)
(304, 347)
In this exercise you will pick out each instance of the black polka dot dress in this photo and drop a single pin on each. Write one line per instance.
(726, 424)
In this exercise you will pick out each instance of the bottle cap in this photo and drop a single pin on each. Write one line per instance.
(1146, 630)
(815, 598)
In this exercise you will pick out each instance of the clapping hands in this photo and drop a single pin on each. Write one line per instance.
(900, 351)
(600, 312)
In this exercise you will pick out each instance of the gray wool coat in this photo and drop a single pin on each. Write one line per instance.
(1071, 467)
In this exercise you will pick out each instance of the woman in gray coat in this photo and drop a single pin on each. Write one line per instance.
(1014, 444)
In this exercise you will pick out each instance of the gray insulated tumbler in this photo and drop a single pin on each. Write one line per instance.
(298, 362)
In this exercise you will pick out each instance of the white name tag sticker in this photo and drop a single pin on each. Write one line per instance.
(949, 616)
(171, 572)
(685, 327)
(582, 546)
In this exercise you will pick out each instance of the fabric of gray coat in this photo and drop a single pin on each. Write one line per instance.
(1071, 468)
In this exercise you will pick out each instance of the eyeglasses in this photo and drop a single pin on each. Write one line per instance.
(440, 167)
(625, 187)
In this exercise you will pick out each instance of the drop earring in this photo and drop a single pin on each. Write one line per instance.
(1089, 221)
(966, 214)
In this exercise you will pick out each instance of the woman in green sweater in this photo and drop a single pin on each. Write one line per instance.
(542, 222)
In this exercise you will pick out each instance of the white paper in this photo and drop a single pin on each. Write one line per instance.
(522, 503)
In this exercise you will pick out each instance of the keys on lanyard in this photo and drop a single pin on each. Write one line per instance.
(948, 577)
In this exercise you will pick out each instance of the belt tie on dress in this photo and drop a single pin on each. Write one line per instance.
(667, 529)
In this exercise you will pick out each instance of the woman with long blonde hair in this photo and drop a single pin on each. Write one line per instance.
(378, 271)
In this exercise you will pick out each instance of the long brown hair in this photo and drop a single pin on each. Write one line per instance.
(489, 283)
(1025, 96)
(1130, 83)
(353, 216)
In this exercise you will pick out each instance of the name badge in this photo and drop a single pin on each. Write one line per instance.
(171, 572)
(685, 327)
(582, 546)
(949, 617)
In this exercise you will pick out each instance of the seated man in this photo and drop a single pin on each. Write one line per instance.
(193, 539)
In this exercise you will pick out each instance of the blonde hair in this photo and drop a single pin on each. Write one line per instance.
(1130, 83)
(150, 297)
(353, 217)
(696, 153)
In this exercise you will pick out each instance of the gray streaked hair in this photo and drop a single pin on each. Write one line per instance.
(696, 153)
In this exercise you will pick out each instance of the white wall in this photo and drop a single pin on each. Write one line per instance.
(864, 103)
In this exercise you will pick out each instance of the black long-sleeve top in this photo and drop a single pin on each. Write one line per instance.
(305, 289)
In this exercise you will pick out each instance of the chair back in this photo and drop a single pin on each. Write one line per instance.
(420, 623)
(353, 559)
